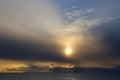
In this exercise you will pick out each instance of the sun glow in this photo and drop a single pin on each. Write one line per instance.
(68, 51)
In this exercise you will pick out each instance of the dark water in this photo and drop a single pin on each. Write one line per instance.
(59, 76)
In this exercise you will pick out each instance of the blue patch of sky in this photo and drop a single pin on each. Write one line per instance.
(102, 8)
(67, 6)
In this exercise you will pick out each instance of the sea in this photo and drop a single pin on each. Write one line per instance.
(57, 76)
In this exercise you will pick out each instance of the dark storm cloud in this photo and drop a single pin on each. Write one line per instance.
(28, 50)
(104, 49)
(109, 34)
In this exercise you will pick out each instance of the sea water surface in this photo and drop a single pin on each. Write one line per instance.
(36, 76)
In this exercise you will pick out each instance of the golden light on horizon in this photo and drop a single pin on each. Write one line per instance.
(68, 51)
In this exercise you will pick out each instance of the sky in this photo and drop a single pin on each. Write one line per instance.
(36, 33)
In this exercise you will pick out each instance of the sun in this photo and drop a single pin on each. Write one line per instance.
(68, 51)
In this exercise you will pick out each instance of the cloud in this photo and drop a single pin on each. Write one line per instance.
(29, 30)
(96, 40)
(16, 50)
(34, 31)
(109, 33)
(77, 14)
(89, 10)
(29, 68)
(29, 19)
